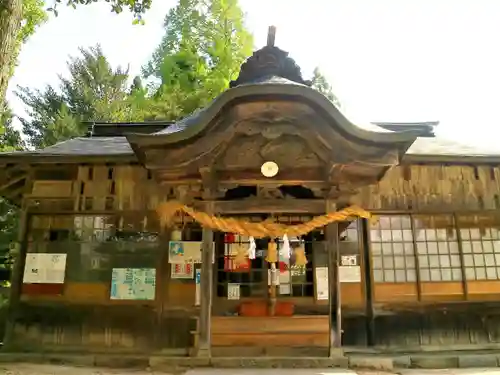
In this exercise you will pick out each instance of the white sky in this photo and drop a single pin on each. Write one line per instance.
(388, 60)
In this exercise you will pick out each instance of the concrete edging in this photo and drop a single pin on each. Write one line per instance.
(159, 362)
(423, 361)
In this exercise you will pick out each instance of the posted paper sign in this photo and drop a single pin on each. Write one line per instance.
(133, 284)
(233, 291)
(285, 289)
(321, 283)
(182, 271)
(185, 252)
(350, 274)
(44, 268)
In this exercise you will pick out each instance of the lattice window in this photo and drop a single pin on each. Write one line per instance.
(481, 248)
(437, 248)
(253, 275)
(95, 244)
(392, 249)
(351, 233)
(295, 280)
(249, 275)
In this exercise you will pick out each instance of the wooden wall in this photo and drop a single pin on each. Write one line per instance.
(84, 316)
(416, 187)
(434, 187)
(81, 314)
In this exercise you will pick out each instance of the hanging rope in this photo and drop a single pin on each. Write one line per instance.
(168, 210)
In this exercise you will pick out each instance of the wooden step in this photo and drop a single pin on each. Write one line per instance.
(270, 339)
(270, 331)
(293, 324)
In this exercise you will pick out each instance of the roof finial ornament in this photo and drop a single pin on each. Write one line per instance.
(268, 63)
(271, 36)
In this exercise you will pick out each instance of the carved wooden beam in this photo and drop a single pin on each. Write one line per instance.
(13, 181)
(256, 206)
(15, 193)
(288, 177)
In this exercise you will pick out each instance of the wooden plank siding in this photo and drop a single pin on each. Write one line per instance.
(84, 316)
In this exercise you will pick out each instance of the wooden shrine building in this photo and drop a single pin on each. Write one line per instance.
(96, 269)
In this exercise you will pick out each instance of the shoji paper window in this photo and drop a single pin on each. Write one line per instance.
(392, 249)
(437, 248)
(481, 247)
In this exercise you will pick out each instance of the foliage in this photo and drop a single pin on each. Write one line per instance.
(93, 91)
(33, 16)
(204, 45)
(20, 18)
(138, 7)
(320, 83)
(18, 21)
(10, 140)
(9, 214)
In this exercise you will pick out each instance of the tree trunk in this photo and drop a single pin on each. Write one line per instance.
(10, 24)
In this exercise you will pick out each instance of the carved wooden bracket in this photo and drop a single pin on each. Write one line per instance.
(210, 184)
(266, 192)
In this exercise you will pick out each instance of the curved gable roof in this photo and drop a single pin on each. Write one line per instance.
(279, 87)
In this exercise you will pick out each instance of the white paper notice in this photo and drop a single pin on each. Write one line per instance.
(350, 274)
(322, 283)
(233, 291)
(182, 271)
(180, 252)
(285, 289)
(133, 284)
(44, 268)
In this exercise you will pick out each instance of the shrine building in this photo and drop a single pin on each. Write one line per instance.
(300, 269)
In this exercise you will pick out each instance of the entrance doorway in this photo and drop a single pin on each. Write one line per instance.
(241, 315)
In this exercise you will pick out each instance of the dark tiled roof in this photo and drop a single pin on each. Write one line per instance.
(426, 128)
(116, 146)
(90, 146)
(442, 147)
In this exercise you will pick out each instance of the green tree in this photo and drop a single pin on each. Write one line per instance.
(19, 19)
(204, 45)
(10, 139)
(320, 83)
(9, 214)
(94, 91)
(138, 7)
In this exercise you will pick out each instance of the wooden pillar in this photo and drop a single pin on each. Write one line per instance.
(162, 283)
(368, 267)
(334, 297)
(16, 277)
(206, 290)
